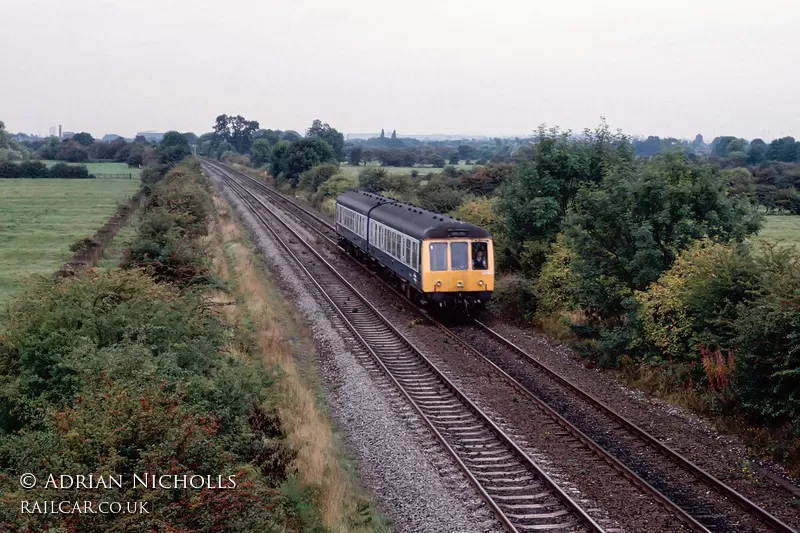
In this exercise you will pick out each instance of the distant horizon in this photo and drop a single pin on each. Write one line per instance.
(368, 135)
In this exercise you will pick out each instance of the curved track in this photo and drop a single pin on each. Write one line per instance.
(674, 470)
(522, 495)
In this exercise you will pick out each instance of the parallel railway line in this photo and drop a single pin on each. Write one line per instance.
(672, 479)
(521, 494)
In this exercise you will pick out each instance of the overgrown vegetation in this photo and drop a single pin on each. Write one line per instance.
(635, 251)
(130, 371)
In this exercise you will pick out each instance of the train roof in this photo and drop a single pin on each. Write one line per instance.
(409, 219)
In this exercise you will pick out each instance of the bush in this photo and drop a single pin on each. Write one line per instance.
(514, 298)
(399, 184)
(336, 185)
(312, 178)
(113, 373)
(553, 288)
(34, 170)
(486, 179)
(373, 179)
(479, 212)
(65, 171)
(9, 170)
(167, 243)
(697, 301)
(439, 197)
(767, 377)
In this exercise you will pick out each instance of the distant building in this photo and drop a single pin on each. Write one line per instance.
(109, 137)
(151, 136)
(68, 135)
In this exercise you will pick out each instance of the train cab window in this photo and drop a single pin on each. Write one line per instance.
(438, 256)
(459, 255)
(479, 256)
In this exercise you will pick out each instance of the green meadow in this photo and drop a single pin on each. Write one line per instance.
(40, 218)
(353, 171)
(783, 230)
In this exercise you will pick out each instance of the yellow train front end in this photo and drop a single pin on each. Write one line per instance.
(457, 272)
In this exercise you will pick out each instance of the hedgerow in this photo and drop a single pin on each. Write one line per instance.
(130, 371)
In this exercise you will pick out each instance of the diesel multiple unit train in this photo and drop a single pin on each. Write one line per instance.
(434, 259)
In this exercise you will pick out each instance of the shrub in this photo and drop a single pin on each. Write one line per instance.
(34, 170)
(697, 300)
(400, 184)
(65, 171)
(513, 298)
(312, 178)
(439, 197)
(553, 288)
(767, 381)
(479, 212)
(373, 179)
(9, 170)
(336, 185)
(486, 179)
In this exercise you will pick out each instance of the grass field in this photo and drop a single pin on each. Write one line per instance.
(39, 219)
(351, 170)
(781, 229)
(102, 168)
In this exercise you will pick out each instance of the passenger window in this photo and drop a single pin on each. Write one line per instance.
(480, 260)
(459, 256)
(438, 256)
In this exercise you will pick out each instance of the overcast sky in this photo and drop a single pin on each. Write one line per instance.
(418, 66)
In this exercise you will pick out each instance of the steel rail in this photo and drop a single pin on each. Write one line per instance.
(499, 433)
(680, 460)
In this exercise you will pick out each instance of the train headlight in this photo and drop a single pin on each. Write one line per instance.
(460, 283)
(438, 283)
(480, 282)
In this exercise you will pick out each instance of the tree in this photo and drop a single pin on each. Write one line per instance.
(173, 148)
(237, 131)
(291, 136)
(465, 151)
(383, 135)
(784, 149)
(272, 136)
(5, 138)
(628, 229)
(757, 152)
(536, 200)
(191, 138)
(487, 178)
(84, 138)
(50, 149)
(739, 182)
(312, 178)
(394, 134)
(261, 152)
(291, 159)
(72, 151)
(330, 136)
(355, 155)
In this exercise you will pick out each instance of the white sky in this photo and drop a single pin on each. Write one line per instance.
(418, 66)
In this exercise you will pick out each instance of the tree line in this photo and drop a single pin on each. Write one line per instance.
(641, 260)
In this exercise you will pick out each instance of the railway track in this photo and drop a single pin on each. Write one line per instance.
(521, 494)
(680, 485)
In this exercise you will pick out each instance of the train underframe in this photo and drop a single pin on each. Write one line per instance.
(471, 302)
